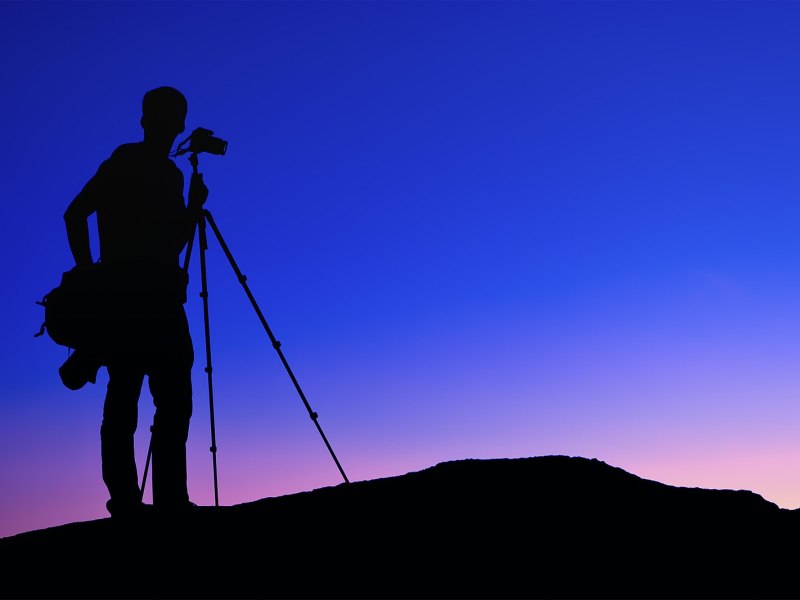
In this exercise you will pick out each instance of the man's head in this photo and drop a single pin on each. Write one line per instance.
(163, 113)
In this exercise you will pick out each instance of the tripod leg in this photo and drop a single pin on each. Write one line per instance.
(193, 160)
(204, 294)
(146, 465)
(275, 343)
(188, 253)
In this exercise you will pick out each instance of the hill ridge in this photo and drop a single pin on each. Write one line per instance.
(547, 526)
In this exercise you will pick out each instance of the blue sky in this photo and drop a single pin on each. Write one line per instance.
(480, 229)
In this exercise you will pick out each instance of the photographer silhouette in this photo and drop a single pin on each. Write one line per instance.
(143, 226)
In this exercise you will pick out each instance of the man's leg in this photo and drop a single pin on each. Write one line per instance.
(120, 417)
(171, 385)
(172, 396)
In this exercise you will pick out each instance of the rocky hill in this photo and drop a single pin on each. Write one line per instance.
(540, 527)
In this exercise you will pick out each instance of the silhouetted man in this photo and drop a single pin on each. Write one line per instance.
(143, 226)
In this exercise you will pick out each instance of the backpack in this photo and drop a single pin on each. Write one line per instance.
(77, 312)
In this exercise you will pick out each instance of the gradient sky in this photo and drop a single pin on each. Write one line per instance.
(480, 230)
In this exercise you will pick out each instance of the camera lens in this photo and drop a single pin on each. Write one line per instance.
(217, 146)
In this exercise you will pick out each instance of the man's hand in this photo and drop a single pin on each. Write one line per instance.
(198, 192)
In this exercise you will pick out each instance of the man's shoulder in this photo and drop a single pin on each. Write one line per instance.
(130, 150)
(123, 155)
(136, 155)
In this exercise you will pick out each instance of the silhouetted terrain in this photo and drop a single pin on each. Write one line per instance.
(543, 527)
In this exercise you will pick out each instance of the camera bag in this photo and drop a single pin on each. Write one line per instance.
(77, 312)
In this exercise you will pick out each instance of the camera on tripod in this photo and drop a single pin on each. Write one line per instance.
(202, 140)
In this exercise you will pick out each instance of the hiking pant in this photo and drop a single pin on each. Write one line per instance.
(161, 350)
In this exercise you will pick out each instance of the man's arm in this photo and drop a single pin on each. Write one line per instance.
(198, 194)
(78, 236)
(77, 223)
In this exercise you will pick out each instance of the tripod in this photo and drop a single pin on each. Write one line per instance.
(205, 218)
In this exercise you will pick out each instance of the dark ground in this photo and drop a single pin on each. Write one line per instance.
(544, 527)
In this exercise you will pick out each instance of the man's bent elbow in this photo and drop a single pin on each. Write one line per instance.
(72, 216)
